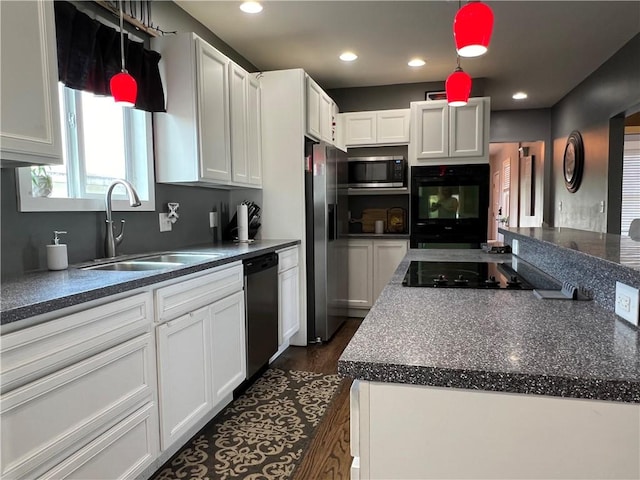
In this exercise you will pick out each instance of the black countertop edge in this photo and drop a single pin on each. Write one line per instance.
(590, 389)
(48, 306)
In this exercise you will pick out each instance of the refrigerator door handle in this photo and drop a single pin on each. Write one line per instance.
(331, 221)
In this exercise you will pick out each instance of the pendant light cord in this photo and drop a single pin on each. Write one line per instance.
(121, 37)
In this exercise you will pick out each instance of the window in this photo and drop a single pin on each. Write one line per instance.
(102, 141)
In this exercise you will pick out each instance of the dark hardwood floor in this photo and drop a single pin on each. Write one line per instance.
(328, 455)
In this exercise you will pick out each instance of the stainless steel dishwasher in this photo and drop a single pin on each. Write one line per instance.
(261, 299)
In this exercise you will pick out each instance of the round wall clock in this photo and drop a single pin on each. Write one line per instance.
(573, 163)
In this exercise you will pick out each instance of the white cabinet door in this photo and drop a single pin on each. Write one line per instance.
(430, 124)
(360, 273)
(387, 255)
(184, 373)
(29, 108)
(466, 129)
(238, 123)
(326, 118)
(288, 303)
(45, 420)
(254, 131)
(228, 345)
(393, 126)
(360, 128)
(314, 94)
(213, 113)
(122, 452)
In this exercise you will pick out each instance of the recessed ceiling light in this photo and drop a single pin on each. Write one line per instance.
(416, 62)
(348, 57)
(251, 7)
(519, 96)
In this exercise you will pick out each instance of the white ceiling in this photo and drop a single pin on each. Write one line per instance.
(542, 47)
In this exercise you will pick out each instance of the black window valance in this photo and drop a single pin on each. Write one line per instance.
(89, 55)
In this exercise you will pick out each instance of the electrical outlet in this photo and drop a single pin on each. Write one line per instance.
(165, 222)
(627, 300)
(560, 205)
(602, 206)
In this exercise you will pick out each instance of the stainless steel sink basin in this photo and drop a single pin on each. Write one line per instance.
(182, 258)
(133, 266)
(154, 262)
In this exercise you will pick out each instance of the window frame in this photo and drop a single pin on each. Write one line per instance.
(28, 203)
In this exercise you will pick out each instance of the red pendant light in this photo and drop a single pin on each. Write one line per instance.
(458, 87)
(472, 28)
(124, 88)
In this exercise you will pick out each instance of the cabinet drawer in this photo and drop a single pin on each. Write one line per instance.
(189, 295)
(42, 349)
(122, 452)
(287, 258)
(67, 409)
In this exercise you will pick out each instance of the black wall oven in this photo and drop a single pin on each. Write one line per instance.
(449, 205)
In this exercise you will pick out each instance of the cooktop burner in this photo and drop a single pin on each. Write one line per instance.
(488, 275)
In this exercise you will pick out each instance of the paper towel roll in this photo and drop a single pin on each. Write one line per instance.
(243, 223)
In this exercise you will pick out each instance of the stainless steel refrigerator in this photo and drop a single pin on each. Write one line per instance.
(327, 221)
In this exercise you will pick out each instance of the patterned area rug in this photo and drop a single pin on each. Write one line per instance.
(260, 435)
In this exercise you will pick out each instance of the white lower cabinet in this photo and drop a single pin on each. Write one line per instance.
(360, 287)
(228, 345)
(371, 265)
(501, 435)
(288, 294)
(101, 394)
(44, 421)
(122, 452)
(201, 353)
(184, 376)
(387, 255)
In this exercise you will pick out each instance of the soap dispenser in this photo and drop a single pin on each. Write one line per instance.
(57, 253)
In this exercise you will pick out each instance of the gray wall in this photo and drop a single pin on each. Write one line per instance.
(610, 91)
(387, 97)
(24, 235)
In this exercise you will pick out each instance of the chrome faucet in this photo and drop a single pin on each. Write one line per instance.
(113, 240)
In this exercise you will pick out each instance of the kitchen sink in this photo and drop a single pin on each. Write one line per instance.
(154, 262)
(133, 266)
(181, 258)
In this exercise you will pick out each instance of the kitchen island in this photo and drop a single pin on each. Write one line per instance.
(464, 383)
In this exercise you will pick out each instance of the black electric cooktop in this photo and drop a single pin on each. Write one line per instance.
(488, 275)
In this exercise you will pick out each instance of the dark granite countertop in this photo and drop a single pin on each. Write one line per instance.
(618, 249)
(496, 340)
(44, 292)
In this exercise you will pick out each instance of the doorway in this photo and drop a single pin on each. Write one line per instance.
(517, 193)
(630, 208)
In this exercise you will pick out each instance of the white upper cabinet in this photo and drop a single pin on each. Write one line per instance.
(254, 131)
(210, 133)
(440, 131)
(244, 103)
(213, 112)
(383, 127)
(320, 113)
(29, 108)
(238, 113)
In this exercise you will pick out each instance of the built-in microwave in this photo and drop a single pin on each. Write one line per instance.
(377, 172)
